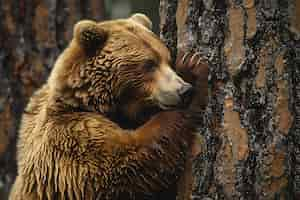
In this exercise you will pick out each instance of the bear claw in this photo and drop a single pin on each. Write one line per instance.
(191, 66)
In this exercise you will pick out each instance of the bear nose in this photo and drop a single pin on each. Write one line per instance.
(186, 91)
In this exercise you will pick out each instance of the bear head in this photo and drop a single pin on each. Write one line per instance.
(118, 68)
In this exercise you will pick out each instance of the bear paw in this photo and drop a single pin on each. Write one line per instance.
(192, 67)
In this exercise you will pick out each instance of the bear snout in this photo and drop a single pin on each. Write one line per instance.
(170, 89)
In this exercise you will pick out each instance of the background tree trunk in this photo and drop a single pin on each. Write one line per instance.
(251, 147)
(32, 34)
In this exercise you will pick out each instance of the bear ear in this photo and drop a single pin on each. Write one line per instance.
(89, 34)
(142, 19)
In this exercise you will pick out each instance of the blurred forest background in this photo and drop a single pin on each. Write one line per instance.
(250, 148)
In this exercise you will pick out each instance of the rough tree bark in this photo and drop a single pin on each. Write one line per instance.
(32, 34)
(251, 146)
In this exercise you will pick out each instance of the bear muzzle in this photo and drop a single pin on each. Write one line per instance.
(171, 90)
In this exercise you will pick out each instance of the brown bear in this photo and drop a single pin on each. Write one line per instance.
(106, 124)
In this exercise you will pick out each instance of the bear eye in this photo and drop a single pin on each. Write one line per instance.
(149, 64)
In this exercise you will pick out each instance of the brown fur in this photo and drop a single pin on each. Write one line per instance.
(72, 144)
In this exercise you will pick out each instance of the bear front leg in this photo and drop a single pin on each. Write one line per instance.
(149, 160)
(194, 70)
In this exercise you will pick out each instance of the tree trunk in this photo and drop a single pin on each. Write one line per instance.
(251, 146)
(32, 34)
